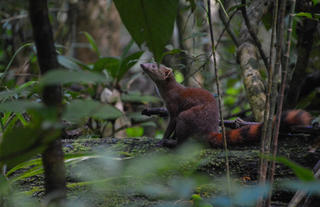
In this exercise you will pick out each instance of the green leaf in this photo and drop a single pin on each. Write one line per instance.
(65, 76)
(193, 5)
(127, 63)
(178, 76)
(35, 170)
(315, 2)
(304, 14)
(223, 9)
(111, 64)
(79, 64)
(26, 164)
(19, 106)
(80, 109)
(232, 91)
(21, 143)
(127, 48)
(235, 7)
(148, 124)
(149, 21)
(134, 131)
(137, 116)
(302, 173)
(312, 188)
(9, 121)
(22, 119)
(138, 98)
(5, 117)
(67, 62)
(9, 93)
(92, 42)
(170, 52)
(13, 57)
(6, 94)
(26, 85)
(267, 20)
(34, 167)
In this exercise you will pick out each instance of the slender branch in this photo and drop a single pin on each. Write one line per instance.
(219, 96)
(299, 195)
(265, 145)
(282, 89)
(162, 112)
(226, 27)
(253, 34)
(277, 64)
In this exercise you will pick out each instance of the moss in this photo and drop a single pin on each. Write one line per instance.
(206, 169)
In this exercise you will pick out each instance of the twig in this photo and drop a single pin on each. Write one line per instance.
(280, 39)
(265, 144)
(226, 27)
(198, 70)
(21, 16)
(162, 112)
(219, 96)
(253, 34)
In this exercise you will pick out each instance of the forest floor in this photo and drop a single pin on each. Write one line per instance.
(137, 172)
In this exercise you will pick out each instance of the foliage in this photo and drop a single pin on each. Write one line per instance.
(168, 178)
(27, 125)
(117, 67)
(21, 143)
(79, 109)
(146, 21)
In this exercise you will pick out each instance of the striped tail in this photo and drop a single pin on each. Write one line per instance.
(252, 133)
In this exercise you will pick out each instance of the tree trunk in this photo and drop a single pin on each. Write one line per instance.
(101, 20)
(52, 157)
(249, 60)
(305, 32)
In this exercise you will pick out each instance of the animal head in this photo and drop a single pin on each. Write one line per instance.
(157, 72)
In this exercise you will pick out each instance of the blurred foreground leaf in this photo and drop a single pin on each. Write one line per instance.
(79, 109)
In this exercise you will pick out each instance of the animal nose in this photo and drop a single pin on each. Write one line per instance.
(149, 66)
(143, 65)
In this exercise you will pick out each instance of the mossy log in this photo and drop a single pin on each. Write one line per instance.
(243, 159)
(243, 164)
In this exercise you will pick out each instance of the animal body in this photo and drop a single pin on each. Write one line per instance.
(194, 112)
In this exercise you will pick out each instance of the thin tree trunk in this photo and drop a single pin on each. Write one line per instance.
(280, 41)
(305, 34)
(52, 157)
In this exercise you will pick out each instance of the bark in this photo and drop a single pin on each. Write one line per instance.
(305, 34)
(249, 59)
(101, 20)
(311, 82)
(52, 157)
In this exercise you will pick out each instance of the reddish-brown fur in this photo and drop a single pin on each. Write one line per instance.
(194, 111)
